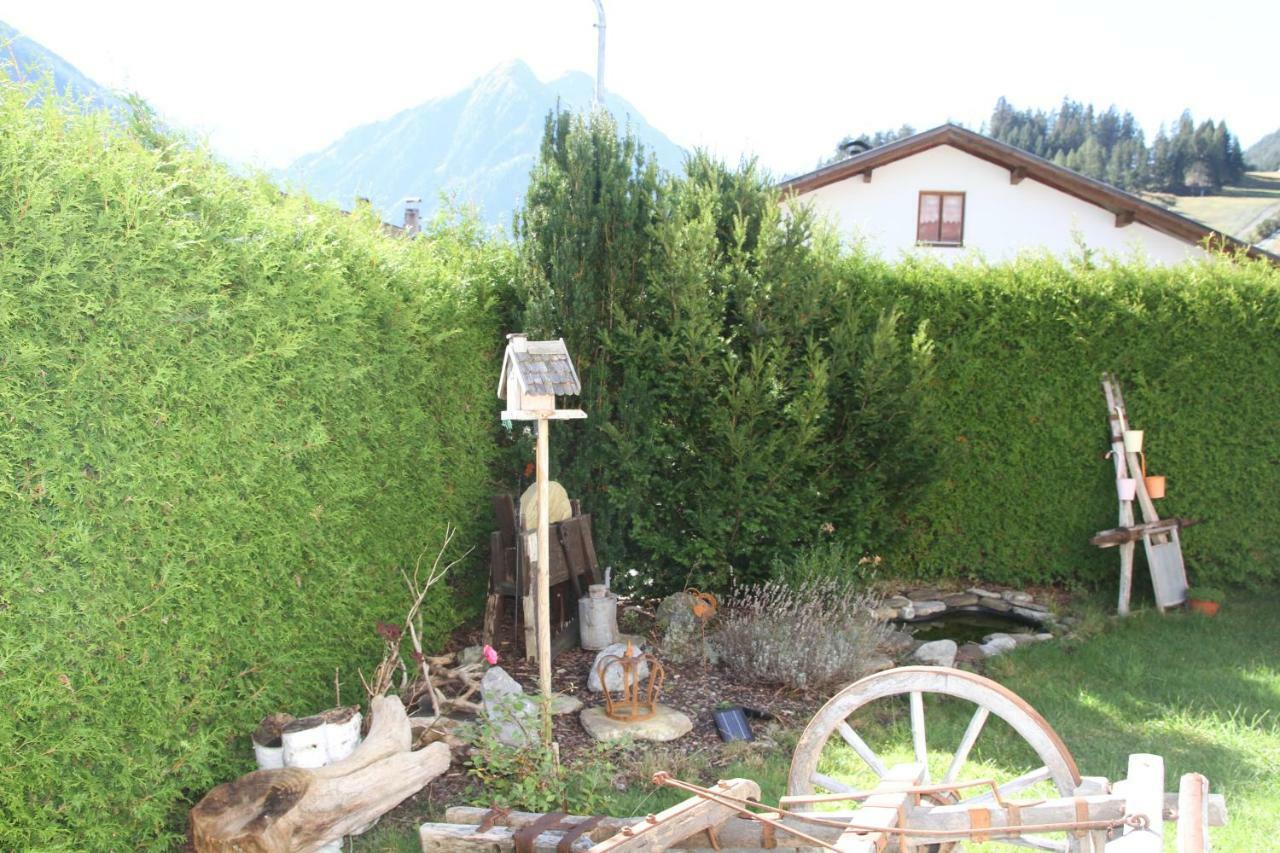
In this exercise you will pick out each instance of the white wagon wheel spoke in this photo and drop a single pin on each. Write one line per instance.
(966, 743)
(918, 743)
(915, 682)
(1013, 786)
(858, 745)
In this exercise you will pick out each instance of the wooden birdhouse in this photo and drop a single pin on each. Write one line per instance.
(534, 374)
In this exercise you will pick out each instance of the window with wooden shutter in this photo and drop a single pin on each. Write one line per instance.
(940, 221)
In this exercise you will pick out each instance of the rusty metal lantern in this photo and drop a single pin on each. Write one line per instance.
(635, 701)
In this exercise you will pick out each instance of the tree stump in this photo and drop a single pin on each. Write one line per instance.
(296, 809)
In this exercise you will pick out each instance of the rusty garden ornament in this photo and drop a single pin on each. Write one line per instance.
(634, 701)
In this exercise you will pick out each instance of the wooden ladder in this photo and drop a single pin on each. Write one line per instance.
(1160, 539)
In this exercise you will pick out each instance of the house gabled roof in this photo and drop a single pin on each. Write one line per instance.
(543, 367)
(1127, 207)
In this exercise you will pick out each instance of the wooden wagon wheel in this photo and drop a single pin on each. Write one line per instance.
(914, 682)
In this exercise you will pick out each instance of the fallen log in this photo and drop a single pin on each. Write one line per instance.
(296, 809)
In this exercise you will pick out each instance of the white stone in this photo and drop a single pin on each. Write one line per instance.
(998, 645)
(666, 724)
(938, 653)
(513, 714)
(1014, 596)
(563, 703)
(982, 593)
(613, 675)
(1034, 615)
(928, 608)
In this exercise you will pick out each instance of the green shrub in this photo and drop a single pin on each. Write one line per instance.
(1017, 400)
(740, 399)
(227, 419)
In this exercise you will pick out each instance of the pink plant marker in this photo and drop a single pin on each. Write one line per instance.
(491, 655)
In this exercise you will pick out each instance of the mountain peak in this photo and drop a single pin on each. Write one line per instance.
(476, 146)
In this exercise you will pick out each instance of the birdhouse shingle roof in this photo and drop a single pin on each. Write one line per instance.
(545, 368)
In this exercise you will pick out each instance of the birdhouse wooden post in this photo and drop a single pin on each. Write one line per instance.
(534, 374)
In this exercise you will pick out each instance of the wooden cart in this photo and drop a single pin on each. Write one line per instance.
(574, 567)
(1048, 807)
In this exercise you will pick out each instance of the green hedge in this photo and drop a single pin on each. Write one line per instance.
(227, 419)
(1019, 351)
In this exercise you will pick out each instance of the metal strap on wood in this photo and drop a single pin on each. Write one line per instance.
(491, 818)
(574, 833)
(979, 819)
(1082, 816)
(1014, 829)
(524, 837)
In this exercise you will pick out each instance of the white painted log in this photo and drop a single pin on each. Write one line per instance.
(341, 733)
(1143, 790)
(304, 743)
(268, 757)
(268, 750)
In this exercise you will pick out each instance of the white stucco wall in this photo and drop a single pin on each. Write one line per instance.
(1000, 219)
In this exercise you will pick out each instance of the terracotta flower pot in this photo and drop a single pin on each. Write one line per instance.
(1155, 486)
(1208, 608)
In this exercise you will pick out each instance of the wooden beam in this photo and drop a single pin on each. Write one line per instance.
(683, 820)
(1193, 814)
(458, 832)
(1143, 791)
(885, 808)
(1123, 218)
(1016, 174)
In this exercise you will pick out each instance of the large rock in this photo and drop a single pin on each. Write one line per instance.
(896, 644)
(1014, 596)
(998, 644)
(960, 599)
(513, 714)
(938, 653)
(682, 637)
(929, 607)
(666, 724)
(1034, 615)
(613, 675)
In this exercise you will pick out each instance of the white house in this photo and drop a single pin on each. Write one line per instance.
(948, 192)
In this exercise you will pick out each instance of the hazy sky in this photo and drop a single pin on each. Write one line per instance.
(267, 81)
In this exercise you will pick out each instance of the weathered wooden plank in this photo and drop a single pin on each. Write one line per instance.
(683, 820)
(884, 809)
(740, 833)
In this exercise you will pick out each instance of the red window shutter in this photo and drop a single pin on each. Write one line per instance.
(952, 227)
(929, 224)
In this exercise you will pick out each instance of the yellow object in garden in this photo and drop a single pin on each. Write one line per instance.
(558, 507)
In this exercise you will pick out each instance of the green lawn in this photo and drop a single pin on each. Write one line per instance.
(1204, 693)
